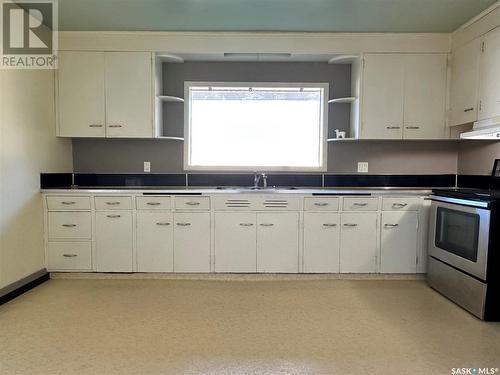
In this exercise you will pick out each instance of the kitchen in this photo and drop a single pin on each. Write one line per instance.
(247, 183)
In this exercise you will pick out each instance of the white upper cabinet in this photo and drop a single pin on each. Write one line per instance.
(464, 83)
(81, 94)
(382, 112)
(489, 85)
(129, 103)
(404, 96)
(105, 94)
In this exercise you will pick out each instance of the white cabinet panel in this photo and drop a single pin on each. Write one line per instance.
(489, 86)
(425, 96)
(129, 104)
(114, 236)
(192, 242)
(321, 204)
(113, 203)
(153, 203)
(192, 203)
(69, 256)
(155, 245)
(358, 242)
(66, 225)
(321, 242)
(383, 90)
(401, 203)
(464, 83)
(399, 242)
(68, 203)
(360, 204)
(81, 94)
(235, 242)
(278, 242)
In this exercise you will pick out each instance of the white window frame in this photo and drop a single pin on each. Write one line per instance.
(323, 135)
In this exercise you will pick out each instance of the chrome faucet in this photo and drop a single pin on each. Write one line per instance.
(256, 180)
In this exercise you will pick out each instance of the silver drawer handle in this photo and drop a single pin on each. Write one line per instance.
(113, 216)
(69, 225)
(266, 224)
(413, 127)
(153, 203)
(95, 126)
(68, 203)
(399, 205)
(70, 255)
(112, 203)
(350, 225)
(184, 224)
(193, 203)
(391, 225)
(329, 225)
(321, 204)
(246, 224)
(360, 204)
(162, 223)
(114, 126)
(468, 109)
(393, 127)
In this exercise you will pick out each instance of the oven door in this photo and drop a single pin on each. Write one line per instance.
(459, 236)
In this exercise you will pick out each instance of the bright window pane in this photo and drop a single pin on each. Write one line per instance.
(242, 127)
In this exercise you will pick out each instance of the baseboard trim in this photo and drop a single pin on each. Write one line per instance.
(19, 287)
(231, 276)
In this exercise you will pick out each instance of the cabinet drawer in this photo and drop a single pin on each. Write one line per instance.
(360, 204)
(321, 204)
(113, 203)
(400, 203)
(153, 203)
(69, 256)
(278, 203)
(69, 225)
(68, 203)
(192, 203)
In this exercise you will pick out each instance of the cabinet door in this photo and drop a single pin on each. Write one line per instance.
(155, 247)
(425, 96)
(321, 242)
(358, 242)
(464, 83)
(129, 101)
(399, 242)
(192, 242)
(114, 241)
(81, 94)
(278, 242)
(382, 112)
(489, 86)
(235, 242)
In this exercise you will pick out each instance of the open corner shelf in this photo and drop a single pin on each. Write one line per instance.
(171, 138)
(348, 99)
(169, 58)
(341, 139)
(169, 98)
(343, 59)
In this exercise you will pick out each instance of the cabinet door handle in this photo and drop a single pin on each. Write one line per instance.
(360, 204)
(184, 224)
(246, 224)
(391, 225)
(162, 223)
(350, 225)
(399, 205)
(413, 127)
(113, 216)
(320, 204)
(95, 126)
(153, 203)
(69, 225)
(67, 203)
(114, 126)
(329, 225)
(468, 109)
(393, 127)
(112, 203)
(266, 224)
(70, 255)
(193, 203)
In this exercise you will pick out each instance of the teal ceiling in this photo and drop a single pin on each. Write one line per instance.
(268, 15)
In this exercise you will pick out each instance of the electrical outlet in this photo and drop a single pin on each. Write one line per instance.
(147, 166)
(362, 167)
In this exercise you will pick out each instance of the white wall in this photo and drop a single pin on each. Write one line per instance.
(28, 146)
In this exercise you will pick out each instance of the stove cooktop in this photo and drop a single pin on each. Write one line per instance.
(483, 195)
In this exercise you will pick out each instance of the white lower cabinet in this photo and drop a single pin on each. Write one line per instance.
(192, 242)
(398, 248)
(155, 242)
(358, 242)
(235, 242)
(278, 242)
(69, 256)
(114, 241)
(321, 242)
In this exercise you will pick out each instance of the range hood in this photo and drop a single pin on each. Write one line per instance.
(484, 129)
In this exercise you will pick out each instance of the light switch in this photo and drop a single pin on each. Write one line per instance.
(147, 166)
(362, 167)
